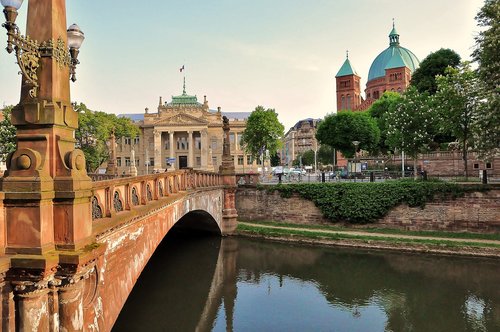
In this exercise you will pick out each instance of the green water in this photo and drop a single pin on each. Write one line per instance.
(212, 284)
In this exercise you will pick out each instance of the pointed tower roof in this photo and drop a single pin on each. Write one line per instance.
(346, 68)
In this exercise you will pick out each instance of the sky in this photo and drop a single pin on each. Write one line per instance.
(281, 54)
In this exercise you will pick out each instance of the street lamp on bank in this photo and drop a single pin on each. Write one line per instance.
(356, 144)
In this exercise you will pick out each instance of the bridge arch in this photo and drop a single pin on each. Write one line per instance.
(197, 221)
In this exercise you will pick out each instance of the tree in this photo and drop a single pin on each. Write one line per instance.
(306, 158)
(275, 160)
(424, 77)
(7, 134)
(487, 55)
(326, 154)
(263, 132)
(341, 129)
(411, 124)
(94, 130)
(459, 102)
(378, 110)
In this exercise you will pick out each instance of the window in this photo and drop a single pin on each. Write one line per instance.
(488, 165)
(198, 161)
(128, 140)
(249, 160)
(151, 161)
(240, 160)
(348, 102)
(239, 139)
(136, 140)
(127, 161)
(342, 103)
(214, 144)
(231, 139)
(214, 160)
(167, 144)
(476, 166)
(259, 161)
(137, 162)
(197, 142)
(118, 161)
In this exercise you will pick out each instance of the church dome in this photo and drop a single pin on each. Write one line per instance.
(392, 57)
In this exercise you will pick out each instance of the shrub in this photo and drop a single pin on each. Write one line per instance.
(366, 202)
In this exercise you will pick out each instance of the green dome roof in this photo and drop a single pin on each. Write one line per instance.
(392, 57)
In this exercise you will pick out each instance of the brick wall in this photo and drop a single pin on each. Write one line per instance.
(475, 212)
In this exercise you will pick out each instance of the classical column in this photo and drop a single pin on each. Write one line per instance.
(71, 306)
(158, 148)
(190, 149)
(204, 149)
(236, 145)
(172, 154)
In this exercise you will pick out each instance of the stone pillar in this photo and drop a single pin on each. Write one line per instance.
(227, 171)
(71, 307)
(133, 168)
(190, 149)
(112, 169)
(7, 305)
(236, 145)
(204, 149)
(158, 148)
(46, 184)
(32, 308)
(172, 152)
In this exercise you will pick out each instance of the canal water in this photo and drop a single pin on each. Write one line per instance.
(234, 284)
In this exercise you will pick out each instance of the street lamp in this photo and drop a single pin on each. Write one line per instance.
(29, 52)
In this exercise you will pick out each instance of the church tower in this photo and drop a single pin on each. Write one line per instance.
(348, 87)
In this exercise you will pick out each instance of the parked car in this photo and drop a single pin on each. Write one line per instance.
(298, 171)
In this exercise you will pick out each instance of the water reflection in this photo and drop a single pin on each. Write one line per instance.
(247, 285)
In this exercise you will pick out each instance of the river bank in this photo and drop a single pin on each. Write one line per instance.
(460, 244)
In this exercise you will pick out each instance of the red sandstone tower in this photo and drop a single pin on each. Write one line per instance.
(348, 87)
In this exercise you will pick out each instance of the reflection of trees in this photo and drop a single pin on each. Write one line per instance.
(417, 292)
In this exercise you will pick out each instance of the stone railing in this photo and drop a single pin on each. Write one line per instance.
(247, 179)
(101, 177)
(121, 194)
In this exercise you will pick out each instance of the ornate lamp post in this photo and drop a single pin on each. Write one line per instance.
(46, 186)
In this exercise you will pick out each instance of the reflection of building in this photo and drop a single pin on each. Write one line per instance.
(183, 133)
(299, 139)
(390, 71)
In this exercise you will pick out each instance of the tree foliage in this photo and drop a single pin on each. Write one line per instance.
(411, 123)
(424, 77)
(378, 111)
(94, 130)
(487, 55)
(459, 101)
(7, 134)
(341, 129)
(263, 132)
(326, 154)
(307, 159)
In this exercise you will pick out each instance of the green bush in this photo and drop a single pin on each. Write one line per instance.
(366, 202)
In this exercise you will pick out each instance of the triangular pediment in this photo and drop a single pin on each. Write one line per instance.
(181, 120)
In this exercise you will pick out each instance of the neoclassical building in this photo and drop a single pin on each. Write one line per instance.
(182, 133)
(390, 71)
(299, 139)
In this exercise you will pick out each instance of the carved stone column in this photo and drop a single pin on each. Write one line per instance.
(71, 307)
(229, 213)
(47, 190)
(172, 152)
(33, 308)
(190, 149)
(204, 149)
(158, 148)
(112, 168)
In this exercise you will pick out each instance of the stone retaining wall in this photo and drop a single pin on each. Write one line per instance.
(475, 212)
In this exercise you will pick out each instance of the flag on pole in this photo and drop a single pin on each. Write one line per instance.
(182, 68)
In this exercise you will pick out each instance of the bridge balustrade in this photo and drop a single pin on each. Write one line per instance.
(124, 194)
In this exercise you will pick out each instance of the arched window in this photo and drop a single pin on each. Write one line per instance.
(342, 103)
(348, 102)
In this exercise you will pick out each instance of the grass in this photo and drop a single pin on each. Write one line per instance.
(311, 234)
(450, 235)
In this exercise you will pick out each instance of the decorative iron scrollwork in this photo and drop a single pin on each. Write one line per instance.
(135, 197)
(149, 193)
(56, 50)
(160, 189)
(117, 203)
(96, 209)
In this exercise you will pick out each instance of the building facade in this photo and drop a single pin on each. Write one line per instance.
(183, 133)
(390, 71)
(299, 139)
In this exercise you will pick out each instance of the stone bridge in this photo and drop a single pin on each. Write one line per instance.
(84, 289)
